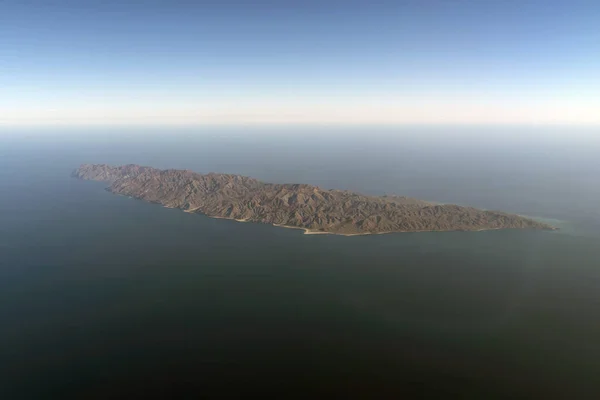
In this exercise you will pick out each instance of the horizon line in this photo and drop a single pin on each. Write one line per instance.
(301, 124)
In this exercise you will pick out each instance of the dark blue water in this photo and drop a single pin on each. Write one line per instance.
(102, 296)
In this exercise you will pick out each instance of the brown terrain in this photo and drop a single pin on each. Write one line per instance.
(294, 205)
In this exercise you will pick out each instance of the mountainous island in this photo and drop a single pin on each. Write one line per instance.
(301, 206)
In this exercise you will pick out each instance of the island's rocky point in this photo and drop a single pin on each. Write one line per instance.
(302, 206)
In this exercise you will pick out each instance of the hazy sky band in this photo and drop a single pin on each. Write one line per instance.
(430, 62)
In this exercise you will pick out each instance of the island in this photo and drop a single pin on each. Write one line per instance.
(301, 206)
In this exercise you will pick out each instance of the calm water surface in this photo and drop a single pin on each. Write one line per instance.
(102, 296)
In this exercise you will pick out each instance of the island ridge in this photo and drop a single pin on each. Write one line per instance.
(301, 206)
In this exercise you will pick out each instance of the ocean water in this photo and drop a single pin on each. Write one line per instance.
(102, 296)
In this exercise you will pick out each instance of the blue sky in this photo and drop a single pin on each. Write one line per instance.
(336, 62)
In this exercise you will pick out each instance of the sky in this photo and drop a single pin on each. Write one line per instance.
(79, 62)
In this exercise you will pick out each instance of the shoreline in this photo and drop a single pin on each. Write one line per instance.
(308, 231)
(313, 232)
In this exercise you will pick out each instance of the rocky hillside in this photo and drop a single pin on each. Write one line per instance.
(294, 205)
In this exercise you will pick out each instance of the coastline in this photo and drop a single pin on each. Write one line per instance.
(313, 232)
(308, 231)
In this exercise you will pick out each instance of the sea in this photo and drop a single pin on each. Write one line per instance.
(103, 296)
